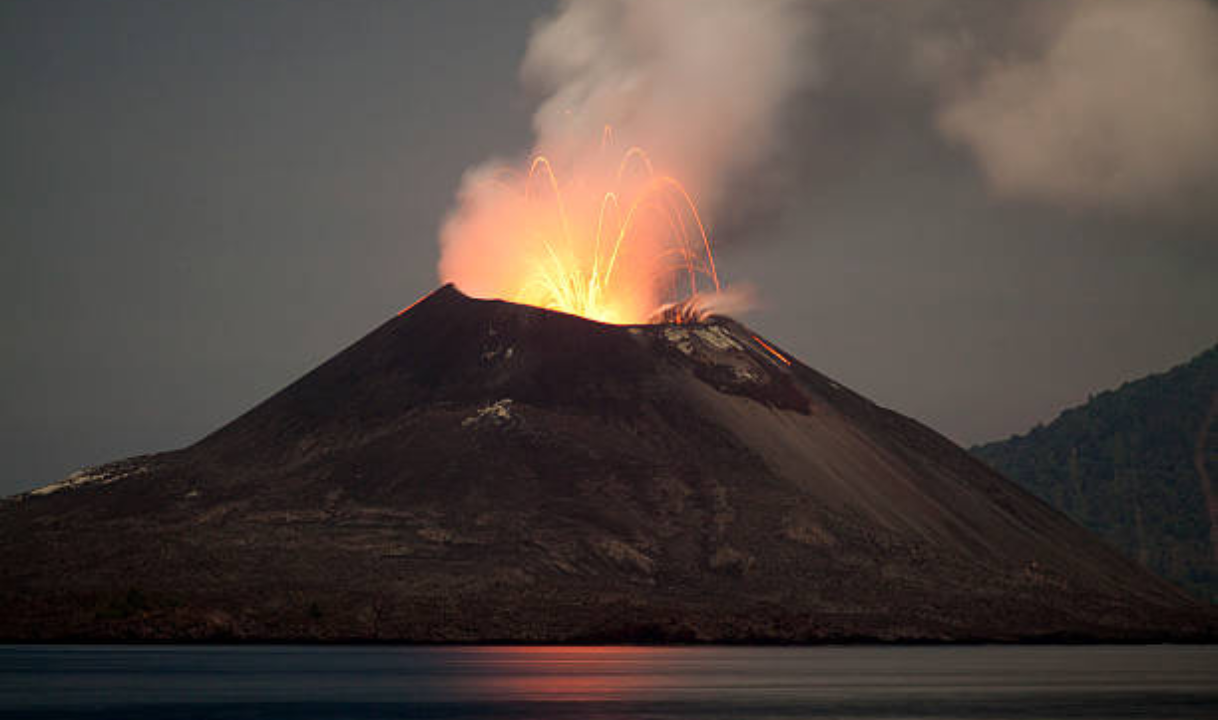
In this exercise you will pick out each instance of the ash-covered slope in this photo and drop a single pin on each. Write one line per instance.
(477, 470)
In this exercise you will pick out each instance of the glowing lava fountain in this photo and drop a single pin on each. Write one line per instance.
(610, 239)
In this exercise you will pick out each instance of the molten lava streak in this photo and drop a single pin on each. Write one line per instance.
(612, 240)
(770, 349)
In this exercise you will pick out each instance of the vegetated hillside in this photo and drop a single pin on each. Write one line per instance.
(1138, 465)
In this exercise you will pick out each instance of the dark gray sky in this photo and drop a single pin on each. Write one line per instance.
(202, 201)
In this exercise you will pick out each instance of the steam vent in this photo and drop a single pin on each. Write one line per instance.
(482, 471)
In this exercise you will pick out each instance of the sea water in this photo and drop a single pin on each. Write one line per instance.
(167, 681)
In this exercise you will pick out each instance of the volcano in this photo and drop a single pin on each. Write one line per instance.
(476, 470)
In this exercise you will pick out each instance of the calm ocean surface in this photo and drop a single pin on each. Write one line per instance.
(610, 682)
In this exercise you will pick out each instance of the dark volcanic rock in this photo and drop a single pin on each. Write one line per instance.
(477, 470)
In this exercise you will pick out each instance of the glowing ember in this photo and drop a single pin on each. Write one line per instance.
(610, 239)
(770, 349)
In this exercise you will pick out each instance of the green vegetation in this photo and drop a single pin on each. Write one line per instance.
(1125, 465)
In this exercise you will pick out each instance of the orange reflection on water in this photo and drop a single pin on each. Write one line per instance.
(567, 674)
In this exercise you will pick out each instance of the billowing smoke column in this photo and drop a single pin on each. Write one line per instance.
(651, 108)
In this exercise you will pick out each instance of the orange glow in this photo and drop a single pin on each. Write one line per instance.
(771, 350)
(611, 239)
(416, 302)
(567, 674)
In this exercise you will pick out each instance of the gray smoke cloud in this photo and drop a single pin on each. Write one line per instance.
(1108, 104)
(698, 84)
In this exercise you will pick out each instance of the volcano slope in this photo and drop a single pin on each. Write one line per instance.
(482, 471)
